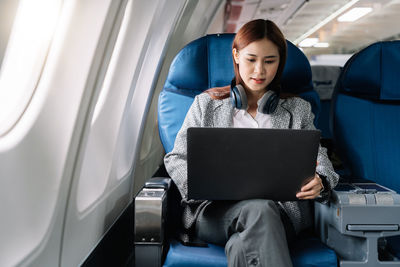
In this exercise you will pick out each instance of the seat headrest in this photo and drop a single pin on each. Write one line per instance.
(296, 76)
(207, 62)
(202, 64)
(373, 72)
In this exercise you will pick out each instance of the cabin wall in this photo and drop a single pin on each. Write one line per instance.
(38, 153)
(194, 22)
(112, 167)
(88, 138)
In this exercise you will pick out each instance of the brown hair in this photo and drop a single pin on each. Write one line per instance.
(253, 31)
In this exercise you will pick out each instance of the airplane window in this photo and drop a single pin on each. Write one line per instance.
(8, 8)
(24, 57)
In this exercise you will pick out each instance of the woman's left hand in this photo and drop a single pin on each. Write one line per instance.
(312, 189)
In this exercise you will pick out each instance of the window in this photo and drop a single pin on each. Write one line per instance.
(24, 57)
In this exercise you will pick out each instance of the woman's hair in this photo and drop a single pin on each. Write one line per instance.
(253, 31)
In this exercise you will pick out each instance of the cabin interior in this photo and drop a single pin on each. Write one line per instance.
(80, 89)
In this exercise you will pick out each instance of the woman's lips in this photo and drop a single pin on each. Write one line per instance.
(258, 81)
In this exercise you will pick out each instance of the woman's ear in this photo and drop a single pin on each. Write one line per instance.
(235, 54)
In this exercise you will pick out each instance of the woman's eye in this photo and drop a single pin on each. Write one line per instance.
(251, 60)
(269, 61)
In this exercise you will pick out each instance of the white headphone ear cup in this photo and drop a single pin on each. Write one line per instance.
(243, 96)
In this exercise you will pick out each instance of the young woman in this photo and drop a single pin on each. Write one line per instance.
(255, 232)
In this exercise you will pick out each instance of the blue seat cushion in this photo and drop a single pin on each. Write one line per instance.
(304, 252)
(311, 252)
(184, 256)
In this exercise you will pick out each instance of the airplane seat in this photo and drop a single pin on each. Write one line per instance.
(297, 79)
(365, 117)
(324, 80)
(206, 63)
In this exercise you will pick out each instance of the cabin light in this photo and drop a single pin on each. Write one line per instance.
(325, 21)
(308, 42)
(354, 14)
(321, 45)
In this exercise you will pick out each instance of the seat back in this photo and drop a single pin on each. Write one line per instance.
(324, 80)
(206, 63)
(366, 114)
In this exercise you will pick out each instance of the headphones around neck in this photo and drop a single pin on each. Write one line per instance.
(238, 95)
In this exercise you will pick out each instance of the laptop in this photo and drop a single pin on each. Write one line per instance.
(246, 163)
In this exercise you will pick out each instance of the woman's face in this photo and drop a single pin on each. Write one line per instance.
(258, 63)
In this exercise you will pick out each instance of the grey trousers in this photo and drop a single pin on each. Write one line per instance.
(251, 230)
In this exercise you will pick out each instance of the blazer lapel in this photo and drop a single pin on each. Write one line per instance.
(280, 119)
(223, 114)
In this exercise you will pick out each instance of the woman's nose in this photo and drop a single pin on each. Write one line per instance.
(259, 68)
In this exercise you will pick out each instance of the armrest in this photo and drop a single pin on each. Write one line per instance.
(158, 182)
(357, 220)
(150, 210)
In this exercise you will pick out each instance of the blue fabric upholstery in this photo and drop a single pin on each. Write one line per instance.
(372, 73)
(366, 121)
(185, 256)
(304, 252)
(323, 120)
(206, 63)
(300, 82)
(295, 81)
(366, 124)
(367, 137)
(311, 252)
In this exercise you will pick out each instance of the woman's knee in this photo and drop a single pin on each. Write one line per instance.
(260, 209)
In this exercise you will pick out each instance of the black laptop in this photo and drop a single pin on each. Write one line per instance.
(245, 163)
